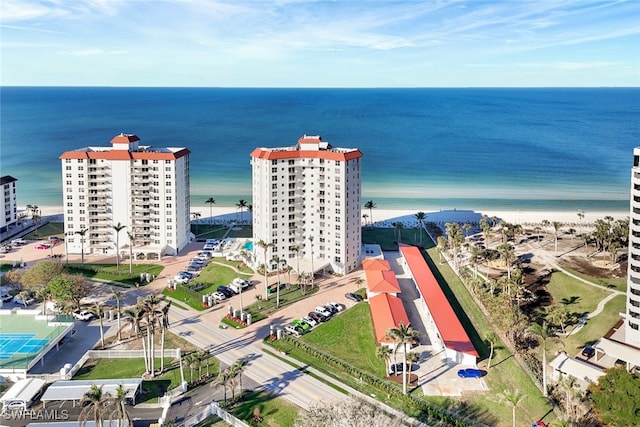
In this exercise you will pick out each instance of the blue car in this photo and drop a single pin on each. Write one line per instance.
(470, 373)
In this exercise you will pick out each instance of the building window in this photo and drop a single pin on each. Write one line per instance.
(337, 226)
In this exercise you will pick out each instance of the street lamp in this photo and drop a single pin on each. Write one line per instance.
(66, 247)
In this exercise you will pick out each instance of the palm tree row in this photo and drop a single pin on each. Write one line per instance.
(145, 318)
(231, 377)
(104, 407)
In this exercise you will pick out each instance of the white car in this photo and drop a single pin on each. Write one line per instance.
(293, 330)
(338, 307)
(218, 296)
(323, 311)
(83, 315)
(196, 261)
(18, 242)
(310, 321)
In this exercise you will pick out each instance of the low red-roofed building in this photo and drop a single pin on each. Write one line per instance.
(375, 264)
(379, 282)
(455, 340)
(387, 311)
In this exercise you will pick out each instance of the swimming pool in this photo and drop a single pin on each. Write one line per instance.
(248, 245)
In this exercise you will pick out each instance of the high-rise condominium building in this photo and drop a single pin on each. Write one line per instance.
(143, 188)
(10, 212)
(632, 321)
(306, 206)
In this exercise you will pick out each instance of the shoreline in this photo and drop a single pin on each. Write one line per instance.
(384, 217)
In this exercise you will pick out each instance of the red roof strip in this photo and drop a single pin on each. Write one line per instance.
(125, 155)
(448, 324)
(124, 139)
(382, 281)
(387, 311)
(305, 154)
(375, 264)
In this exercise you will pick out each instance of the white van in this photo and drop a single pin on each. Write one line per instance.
(238, 283)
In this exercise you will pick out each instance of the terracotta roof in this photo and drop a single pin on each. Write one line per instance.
(124, 154)
(382, 281)
(451, 330)
(310, 139)
(124, 138)
(375, 264)
(387, 312)
(280, 154)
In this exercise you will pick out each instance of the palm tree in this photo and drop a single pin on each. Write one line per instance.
(238, 368)
(581, 218)
(365, 216)
(384, 352)
(93, 402)
(24, 296)
(164, 325)
(507, 253)
(493, 339)
(403, 334)
(132, 241)
(265, 248)
(556, 228)
(44, 294)
(196, 216)
(542, 331)
(223, 377)
(398, 227)
(82, 233)
(313, 271)
(241, 205)
(210, 201)
(358, 281)
(411, 358)
(118, 295)
(276, 259)
(118, 228)
(118, 409)
(97, 310)
(152, 313)
(420, 216)
(371, 206)
(513, 398)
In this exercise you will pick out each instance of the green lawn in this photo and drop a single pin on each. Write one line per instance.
(579, 297)
(275, 411)
(619, 284)
(110, 272)
(46, 230)
(339, 338)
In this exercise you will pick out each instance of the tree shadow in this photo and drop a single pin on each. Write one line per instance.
(571, 300)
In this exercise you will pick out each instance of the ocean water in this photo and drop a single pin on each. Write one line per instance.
(530, 149)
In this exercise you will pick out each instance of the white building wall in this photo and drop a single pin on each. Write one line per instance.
(632, 321)
(9, 214)
(148, 194)
(307, 201)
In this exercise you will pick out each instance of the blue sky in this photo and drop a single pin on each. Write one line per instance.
(303, 43)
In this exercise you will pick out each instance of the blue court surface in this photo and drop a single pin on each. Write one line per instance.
(19, 344)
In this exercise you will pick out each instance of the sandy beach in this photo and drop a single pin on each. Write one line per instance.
(385, 217)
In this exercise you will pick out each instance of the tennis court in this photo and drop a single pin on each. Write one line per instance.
(15, 344)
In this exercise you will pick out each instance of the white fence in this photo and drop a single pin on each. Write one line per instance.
(119, 354)
(214, 409)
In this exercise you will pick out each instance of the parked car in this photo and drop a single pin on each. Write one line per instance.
(192, 268)
(197, 261)
(205, 255)
(336, 306)
(353, 297)
(208, 247)
(18, 300)
(588, 352)
(43, 246)
(238, 283)
(322, 311)
(19, 242)
(183, 277)
(331, 309)
(54, 240)
(470, 373)
(6, 297)
(225, 290)
(293, 330)
(317, 317)
(218, 296)
(212, 241)
(310, 321)
(301, 324)
(5, 249)
(83, 315)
